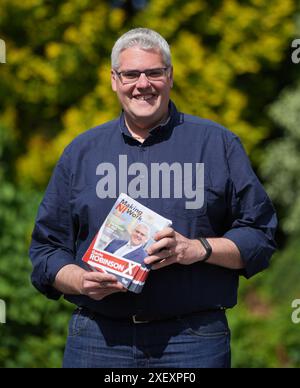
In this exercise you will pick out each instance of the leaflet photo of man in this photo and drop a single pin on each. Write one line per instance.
(131, 249)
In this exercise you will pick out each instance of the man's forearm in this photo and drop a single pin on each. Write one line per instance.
(68, 280)
(225, 254)
(172, 247)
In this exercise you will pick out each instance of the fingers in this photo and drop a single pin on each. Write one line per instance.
(166, 232)
(95, 289)
(164, 254)
(163, 250)
(93, 286)
(165, 239)
(97, 285)
(165, 243)
(100, 277)
(99, 294)
(164, 263)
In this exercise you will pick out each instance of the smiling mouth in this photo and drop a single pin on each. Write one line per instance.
(145, 97)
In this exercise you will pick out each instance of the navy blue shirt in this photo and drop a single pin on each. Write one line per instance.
(235, 206)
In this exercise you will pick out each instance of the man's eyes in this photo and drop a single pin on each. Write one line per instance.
(131, 74)
(154, 73)
(141, 234)
(149, 73)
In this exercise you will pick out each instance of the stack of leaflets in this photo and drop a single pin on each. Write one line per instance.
(120, 246)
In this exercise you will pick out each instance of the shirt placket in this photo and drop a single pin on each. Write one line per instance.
(144, 151)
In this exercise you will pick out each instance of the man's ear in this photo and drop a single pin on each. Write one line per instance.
(113, 80)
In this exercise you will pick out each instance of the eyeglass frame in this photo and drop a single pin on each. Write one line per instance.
(119, 74)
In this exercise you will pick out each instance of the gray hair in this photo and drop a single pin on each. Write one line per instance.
(144, 38)
(145, 226)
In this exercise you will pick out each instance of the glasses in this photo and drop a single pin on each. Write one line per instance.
(132, 76)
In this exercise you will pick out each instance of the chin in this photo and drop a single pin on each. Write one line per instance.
(146, 118)
(144, 112)
(140, 111)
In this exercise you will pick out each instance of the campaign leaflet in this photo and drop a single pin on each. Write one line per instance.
(120, 246)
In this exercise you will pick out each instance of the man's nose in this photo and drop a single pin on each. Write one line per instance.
(143, 81)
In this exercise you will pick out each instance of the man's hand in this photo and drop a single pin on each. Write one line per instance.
(98, 285)
(74, 280)
(172, 247)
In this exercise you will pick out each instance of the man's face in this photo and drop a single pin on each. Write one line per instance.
(145, 102)
(139, 236)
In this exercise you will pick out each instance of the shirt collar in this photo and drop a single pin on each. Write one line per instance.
(157, 133)
(130, 246)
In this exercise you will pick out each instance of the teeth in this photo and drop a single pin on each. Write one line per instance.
(144, 98)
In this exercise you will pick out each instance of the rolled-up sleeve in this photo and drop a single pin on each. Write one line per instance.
(252, 215)
(52, 245)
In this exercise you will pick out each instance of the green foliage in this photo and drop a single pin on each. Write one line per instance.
(57, 81)
(281, 166)
(263, 332)
(31, 323)
(276, 341)
(281, 169)
(33, 326)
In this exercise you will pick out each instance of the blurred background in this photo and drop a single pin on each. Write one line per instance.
(232, 61)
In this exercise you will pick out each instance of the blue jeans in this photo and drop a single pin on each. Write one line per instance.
(195, 341)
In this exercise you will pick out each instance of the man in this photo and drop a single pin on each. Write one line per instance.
(132, 249)
(179, 319)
